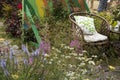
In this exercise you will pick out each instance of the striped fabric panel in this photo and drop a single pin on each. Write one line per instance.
(50, 6)
(86, 6)
(27, 11)
(63, 2)
(40, 7)
(45, 3)
(76, 3)
(68, 5)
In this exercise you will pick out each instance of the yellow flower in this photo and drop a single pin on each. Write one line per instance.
(111, 67)
(15, 76)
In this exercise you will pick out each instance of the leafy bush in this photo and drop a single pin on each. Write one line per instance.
(107, 15)
(13, 22)
(6, 8)
(13, 25)
(29, 36)
(116, 13)
(59, 11)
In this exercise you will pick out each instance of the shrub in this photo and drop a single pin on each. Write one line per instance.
(13, 22)
(116, 13)
(13, 25)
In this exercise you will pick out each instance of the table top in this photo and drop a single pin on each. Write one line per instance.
(117, 32)
(115, 29)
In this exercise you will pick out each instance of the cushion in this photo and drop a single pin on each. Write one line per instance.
(86, 24)
(95, 37)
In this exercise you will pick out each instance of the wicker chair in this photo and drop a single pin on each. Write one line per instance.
(101, 25)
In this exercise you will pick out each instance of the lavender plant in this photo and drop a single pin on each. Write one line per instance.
(24, 66)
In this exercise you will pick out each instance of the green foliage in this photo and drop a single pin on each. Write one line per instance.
(7, 9)
(29, 35)
(116, 13)
(107, 15)
(59, 11)
(12, 18)
(109, 18)
(13, 24)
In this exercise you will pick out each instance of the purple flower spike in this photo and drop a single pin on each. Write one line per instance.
(44, 47)
(75, 44)
(6, 73)
(30, 60)
(36, 52)
(11, 53)
(25, 61)
(16, 61)
(3, 63)
(25, 49)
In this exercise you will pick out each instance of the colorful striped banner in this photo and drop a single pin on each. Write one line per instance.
(45, 3)
(40, 7)
(50, 6)
(76, 3)
(83, 5)
(63, 2)
(30, 18)
(86, 6)
(68, 5)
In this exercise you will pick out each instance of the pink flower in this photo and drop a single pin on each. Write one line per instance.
(44, 47)
(75, 44)
(30, 60)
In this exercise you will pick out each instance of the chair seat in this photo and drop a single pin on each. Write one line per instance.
(95, 37)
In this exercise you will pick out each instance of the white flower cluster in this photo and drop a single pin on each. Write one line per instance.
(73, 65)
